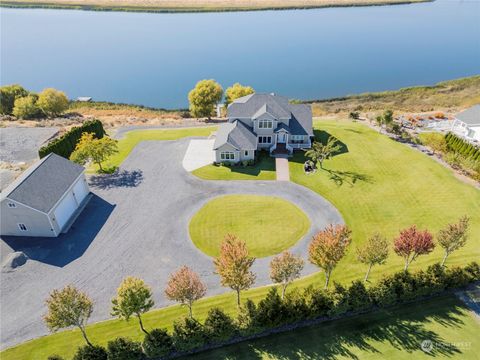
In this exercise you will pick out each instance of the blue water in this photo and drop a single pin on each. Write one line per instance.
(155, 59)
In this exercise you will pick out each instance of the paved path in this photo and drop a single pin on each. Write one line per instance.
(281, 167)
(136, 224)
(199, 153)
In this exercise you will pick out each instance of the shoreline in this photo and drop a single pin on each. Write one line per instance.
(200, 9)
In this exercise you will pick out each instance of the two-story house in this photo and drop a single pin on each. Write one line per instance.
(263, 121)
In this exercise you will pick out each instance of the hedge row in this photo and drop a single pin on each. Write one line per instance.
(458, 145)
(65, 145)
(274, 314)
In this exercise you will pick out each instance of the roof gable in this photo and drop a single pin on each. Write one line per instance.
(44, 183)
(237, 134)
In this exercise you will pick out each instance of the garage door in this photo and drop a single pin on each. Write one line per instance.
(80, 190)
(65, 209)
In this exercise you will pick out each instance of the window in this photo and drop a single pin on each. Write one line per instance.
(227, 155)
(246, 153)
(264, 139)
(22, 227)
(12, 205)
(296, 139)
(265, 124)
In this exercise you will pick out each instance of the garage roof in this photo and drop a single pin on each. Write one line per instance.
(44, 183)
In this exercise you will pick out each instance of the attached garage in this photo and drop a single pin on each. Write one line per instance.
(45, 199)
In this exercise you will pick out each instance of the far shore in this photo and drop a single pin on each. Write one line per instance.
(192, 6)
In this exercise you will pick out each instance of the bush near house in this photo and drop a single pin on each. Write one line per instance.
(65, 145)
(458, 145)
(304, 307)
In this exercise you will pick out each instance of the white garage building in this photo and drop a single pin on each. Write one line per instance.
(45, 199)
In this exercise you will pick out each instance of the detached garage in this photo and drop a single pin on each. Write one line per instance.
(45, 199)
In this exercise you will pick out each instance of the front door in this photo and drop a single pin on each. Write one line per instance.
(282, 138)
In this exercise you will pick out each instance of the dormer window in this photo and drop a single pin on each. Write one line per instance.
(12, 205)
(265, 124)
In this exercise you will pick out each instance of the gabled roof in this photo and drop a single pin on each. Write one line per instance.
(471, 116)
(254, 105)
(44, 183)
(282, 126)
(237, 134)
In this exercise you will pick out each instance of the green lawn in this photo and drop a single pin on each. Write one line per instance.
(377, 185)
(264, 169)
(232, 214)
(132, 138)
(396, 333)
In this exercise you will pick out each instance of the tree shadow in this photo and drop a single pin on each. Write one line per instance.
(323, 136)
(347, 177)
(67, 247)
(401, 328)
(120, 178)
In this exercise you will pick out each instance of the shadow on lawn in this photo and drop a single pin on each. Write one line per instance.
(403, 331)
(264, 163)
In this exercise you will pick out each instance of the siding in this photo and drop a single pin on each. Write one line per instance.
(37, 223)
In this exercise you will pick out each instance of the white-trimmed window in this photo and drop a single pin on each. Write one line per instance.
(264, 139)
(297, 139)
(12, 205)
(227, 155)
(22, 227)
(265, 124)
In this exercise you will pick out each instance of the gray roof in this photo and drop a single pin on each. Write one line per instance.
(237, 134)
(44, 183)
(253, 105)
(471, 116)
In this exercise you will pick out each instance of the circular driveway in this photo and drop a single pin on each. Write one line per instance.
(137, 224)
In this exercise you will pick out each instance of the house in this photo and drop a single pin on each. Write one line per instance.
(467, 123)
(263, 122)
(45, 199)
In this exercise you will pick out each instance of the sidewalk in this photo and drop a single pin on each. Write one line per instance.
(281, 166)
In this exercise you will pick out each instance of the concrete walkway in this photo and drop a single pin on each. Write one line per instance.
(282, 170)
(199, 153)
(136, 224)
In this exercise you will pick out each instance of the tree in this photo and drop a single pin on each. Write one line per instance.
(328, 247)
(203, 98)
(95, 352)
(285, 268)
(237, 91)
(134, 297)
(26, 107)
(90, 148)
(8, 95)
(453, 236)
(412, 243)
(185, 287)
(375, 252)
(436, 142)
(388, 118)
(52, 102)
(233, 265)
(354, 115)
(320, 152)
(68, 307)
(124, 349)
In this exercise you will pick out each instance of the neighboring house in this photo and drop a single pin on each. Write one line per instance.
(467, 123)
(44, 199)
(263, 121)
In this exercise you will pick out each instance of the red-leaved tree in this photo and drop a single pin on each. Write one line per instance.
(185, 287)
(411, 243)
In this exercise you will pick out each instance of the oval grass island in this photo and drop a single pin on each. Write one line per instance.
(267, 224)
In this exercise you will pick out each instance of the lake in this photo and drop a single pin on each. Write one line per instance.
(155, 59)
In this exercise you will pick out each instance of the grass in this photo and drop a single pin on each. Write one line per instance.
(377, 184)
(264, 169)
(132, 138)
(447, 95)
(165, 6)
(395, 333)
(267, 224)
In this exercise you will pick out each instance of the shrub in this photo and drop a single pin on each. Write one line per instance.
(339, 296)
(319, 301)
(188, 334)
(218, 325)
(247, 318)
(473, 271)
(157, 343)
(124, 349)
(90, 353)
(26, 107)
(55, 357)
(52, 102)
(8, 95)
(270, 311)
(65, 145)
(358, 296)
(296, 306)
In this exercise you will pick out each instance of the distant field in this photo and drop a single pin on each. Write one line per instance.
(196, 5)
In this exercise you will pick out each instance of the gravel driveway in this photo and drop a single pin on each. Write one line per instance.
(136, 224)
